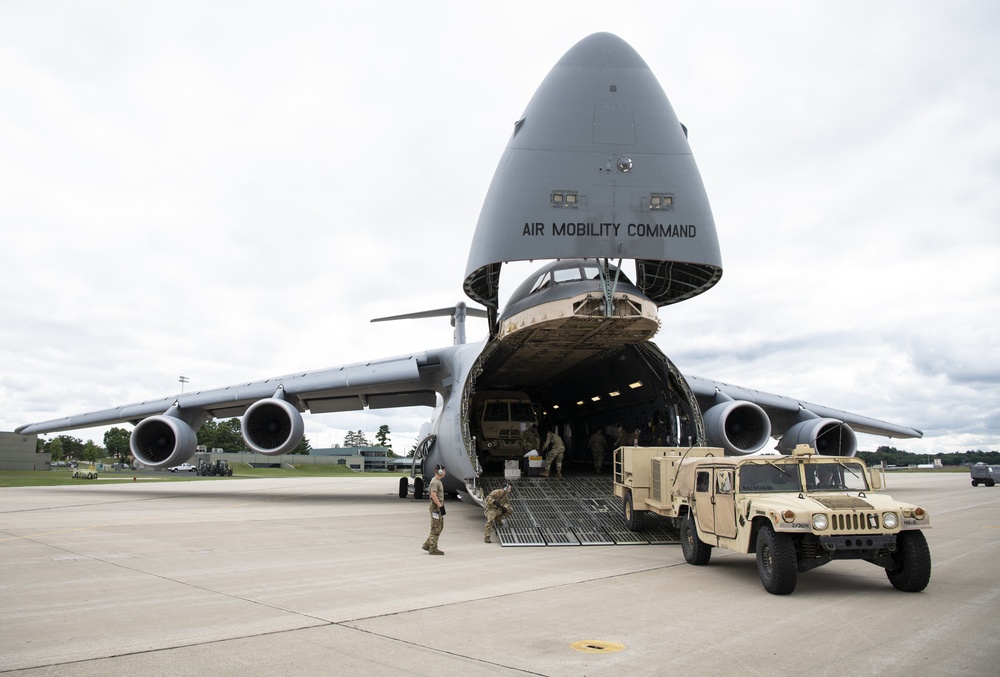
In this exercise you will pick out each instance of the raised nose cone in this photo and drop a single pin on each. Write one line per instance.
(599, 166)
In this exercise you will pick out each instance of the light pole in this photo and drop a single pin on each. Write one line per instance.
(183, 379)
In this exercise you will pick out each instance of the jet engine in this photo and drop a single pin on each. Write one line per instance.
(827, 436)
(738, 427)
(272, 426)
(162, 441)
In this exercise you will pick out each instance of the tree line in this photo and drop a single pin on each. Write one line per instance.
(893, 456)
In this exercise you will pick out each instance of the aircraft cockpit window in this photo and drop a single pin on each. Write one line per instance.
(543, 282)
(567, 275)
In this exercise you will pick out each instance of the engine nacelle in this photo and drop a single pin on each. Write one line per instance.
(272, 426)
(738, 427)
(162, 441)
(827, 436)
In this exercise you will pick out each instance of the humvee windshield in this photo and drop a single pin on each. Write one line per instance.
(840, 476)
(769, 476)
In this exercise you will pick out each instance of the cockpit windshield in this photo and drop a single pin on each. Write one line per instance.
(579, 273)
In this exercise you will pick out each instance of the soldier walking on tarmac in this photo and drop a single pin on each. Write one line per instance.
(556, 449)
(496, 506)
(436, 492)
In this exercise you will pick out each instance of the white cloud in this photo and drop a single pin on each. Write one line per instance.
(232, 191)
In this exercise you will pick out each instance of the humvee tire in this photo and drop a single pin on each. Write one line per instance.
(633, 519)
(913, 558)
(696, 551)
(776, 562)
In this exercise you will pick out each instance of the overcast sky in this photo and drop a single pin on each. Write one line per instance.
(232, 190)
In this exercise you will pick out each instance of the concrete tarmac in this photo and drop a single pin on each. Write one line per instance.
(326, 576)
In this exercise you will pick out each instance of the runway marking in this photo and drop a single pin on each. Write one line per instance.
(28, 537)
(597, 646)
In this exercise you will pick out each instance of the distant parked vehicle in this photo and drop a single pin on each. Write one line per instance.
(985, 474)
(183, 467)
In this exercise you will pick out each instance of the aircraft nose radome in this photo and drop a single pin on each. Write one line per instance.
(602, 49)
(599, 167)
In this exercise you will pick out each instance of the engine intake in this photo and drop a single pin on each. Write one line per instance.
(738, 427)
(162, 441)
(272, 426)
(828, 436)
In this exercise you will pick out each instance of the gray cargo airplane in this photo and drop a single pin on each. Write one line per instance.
(598, 171)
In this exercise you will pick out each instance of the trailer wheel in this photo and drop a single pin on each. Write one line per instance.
(696, 551)
(404, 487)
(913, 562)
(975, 483)
(990, 483)
(633, 519)
(776, 561)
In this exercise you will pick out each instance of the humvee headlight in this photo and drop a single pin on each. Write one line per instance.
(788, 516)
(820, 521)
(889, 520)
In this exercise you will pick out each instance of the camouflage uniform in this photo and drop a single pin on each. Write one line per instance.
(622, 439)
(437, 519)
(529, 439)
(556, 449)
(497, 505)
(598, 445)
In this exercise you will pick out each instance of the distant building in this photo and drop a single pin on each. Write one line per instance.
(17, 452)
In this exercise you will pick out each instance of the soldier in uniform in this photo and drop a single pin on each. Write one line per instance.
(436, 493)
(621, 438)
(598, 445)
(529, 439)
(497, 505)
(556, 449)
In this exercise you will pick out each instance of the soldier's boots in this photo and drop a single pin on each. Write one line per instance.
(435, 552)
(426, 547)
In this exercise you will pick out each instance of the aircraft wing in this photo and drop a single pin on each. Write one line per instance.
(408, 380)
(785, 412)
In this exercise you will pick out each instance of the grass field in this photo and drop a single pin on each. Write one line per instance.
(60, 476)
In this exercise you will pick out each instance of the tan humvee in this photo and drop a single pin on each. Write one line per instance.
(795, 512)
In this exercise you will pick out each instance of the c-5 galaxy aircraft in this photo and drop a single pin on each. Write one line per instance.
(597, 172)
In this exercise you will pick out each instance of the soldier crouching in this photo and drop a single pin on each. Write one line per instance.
(497, 505)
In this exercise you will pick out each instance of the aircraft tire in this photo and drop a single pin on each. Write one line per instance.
(418, 488)
(696, 551)
(776, 563)
(913, 558)
(404, 487)
(633, 519)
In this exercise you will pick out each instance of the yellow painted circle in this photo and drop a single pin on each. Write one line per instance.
(597, 646)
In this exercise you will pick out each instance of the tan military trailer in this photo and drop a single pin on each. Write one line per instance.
(796, 512)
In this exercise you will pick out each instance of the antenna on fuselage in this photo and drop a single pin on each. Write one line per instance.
(457, 313)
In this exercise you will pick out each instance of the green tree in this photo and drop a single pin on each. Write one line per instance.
(71, 446)
(223, 435)
(303, 448)
(56, 449)
(356, 439)
(116, 442)
(91, 453)
(382, 438)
